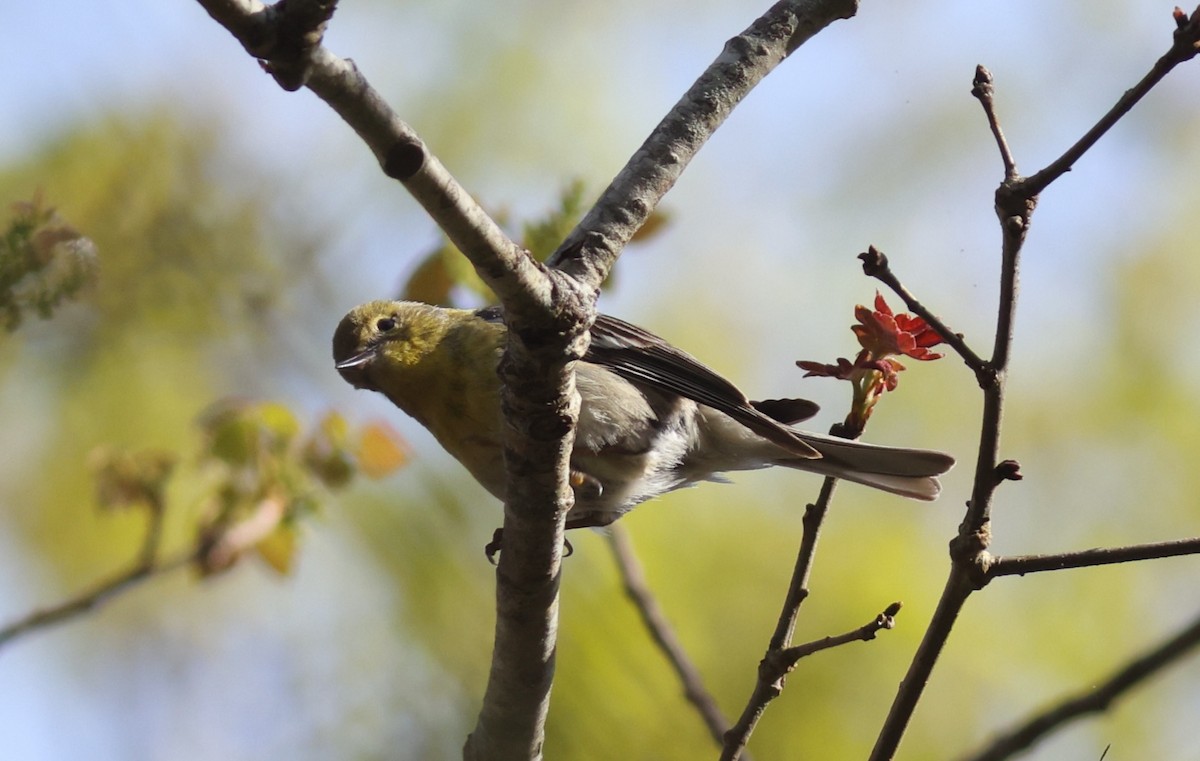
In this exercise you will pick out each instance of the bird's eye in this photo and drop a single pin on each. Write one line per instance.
(385, 324)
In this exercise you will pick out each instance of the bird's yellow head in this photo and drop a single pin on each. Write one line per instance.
(385, 335)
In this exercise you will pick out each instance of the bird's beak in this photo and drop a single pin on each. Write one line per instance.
(358, 360)
(354, 368)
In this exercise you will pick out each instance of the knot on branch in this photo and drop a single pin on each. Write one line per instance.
(774, 668)
(1008, 470)
(404, 159)
(294, 31)
(1015, 201)
(1187, 34)
(875, 262)
(987, 376)
(970, 556)
(967, 547)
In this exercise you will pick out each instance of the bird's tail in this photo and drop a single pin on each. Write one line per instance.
(907, 472)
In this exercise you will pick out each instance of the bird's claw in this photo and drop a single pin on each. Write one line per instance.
(492, 548)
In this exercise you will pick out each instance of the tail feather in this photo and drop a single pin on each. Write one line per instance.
(907, 472)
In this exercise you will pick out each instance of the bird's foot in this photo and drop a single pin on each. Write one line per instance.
(492, 548)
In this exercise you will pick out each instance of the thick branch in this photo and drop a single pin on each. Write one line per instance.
(1095, 698)
(508, 270)
(547, 314)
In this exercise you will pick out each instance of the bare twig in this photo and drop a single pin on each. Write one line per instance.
(864, 633)
(1016, 199)
(634, 580)
(814, 517)
(875, 264)
(769, 684)
(146, 567)
(984, 89)
(1020, 565)
(1183, 48)
(777, 664)
(1095, 698)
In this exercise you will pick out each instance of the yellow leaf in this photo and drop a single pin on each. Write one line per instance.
(381, 450)
(278, 548)
(431, 282)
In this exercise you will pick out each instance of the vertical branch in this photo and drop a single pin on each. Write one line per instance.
(1016, 198)
(968, 550)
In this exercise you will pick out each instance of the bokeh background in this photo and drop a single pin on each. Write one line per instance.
(237, 223)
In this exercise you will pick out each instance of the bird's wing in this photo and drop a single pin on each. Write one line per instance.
(643, 358)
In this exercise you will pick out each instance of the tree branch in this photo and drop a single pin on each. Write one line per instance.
(777, 664)
(508, 270)
(875, 264)
(769, 682)
(1019, 565)
(1015, 200)
(1183, 48)
(547, 314)
(91, 599)
(1095, 698)
(146, 567)
(633, 578)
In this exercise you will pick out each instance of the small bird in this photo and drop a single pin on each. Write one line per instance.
(652, 418)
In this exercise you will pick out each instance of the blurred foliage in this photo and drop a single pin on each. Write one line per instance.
(43, 260)
(127, 479)
(193, 266)
(264, 477)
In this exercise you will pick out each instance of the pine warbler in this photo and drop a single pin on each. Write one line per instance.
(652, 419)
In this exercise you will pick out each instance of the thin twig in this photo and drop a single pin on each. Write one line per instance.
(864, 633)
(814, 518)
(1019, 565)
(777, 664)
(93, 598)
(1095, 698)
(984, 89)
(969, 547)
(769, 684)
(633, 578)
(1183, 48)
(875, 264)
